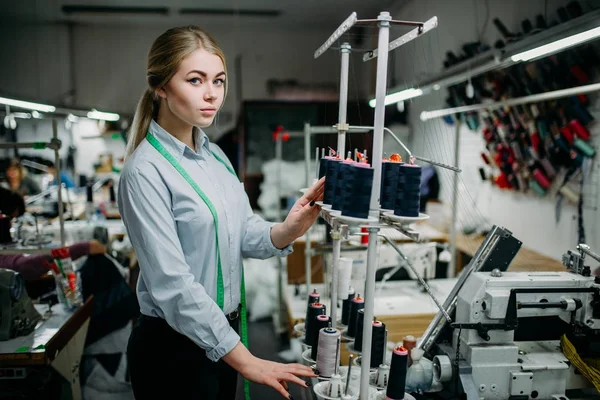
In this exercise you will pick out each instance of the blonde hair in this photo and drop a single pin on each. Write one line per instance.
(166, 53)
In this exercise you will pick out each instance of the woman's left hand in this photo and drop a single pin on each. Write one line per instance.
(301, 216)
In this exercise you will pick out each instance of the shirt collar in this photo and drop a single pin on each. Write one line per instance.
(174, 145)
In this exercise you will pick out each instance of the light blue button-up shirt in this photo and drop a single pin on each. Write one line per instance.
(172, 232)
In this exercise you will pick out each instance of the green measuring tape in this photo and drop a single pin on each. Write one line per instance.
(220, 286)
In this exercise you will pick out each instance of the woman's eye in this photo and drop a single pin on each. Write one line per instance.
(219, 82)
(194, 81)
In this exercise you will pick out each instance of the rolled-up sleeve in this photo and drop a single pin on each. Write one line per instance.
(145, 205)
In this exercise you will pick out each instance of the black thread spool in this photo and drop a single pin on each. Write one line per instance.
(322, 166)
(321, 321)
(397, 382)
(314, 310)
(357, 191)
(360, 321)
(89, 193)
(313, 297)
(357, 303)
(409, 191)
(331, 175)
(344, 176)
(346, 307)
(111, 191)
(378, 345)
(5, 229)
(389, 184)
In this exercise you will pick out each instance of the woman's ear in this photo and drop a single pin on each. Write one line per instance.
(160, 93)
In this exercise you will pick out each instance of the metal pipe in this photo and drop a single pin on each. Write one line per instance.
(61, 217)
(372, 256)
(556, 94)
(335, 266)
(307, 245)
(343, 103)
(454, 199)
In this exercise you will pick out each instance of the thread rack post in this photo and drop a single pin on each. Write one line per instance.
(341, 230)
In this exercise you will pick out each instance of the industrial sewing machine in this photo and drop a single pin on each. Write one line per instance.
(504, 338)
(18, 316)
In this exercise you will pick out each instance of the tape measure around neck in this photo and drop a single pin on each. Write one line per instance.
(220, 286)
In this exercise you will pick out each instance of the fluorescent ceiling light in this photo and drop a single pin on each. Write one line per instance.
(557, 45)
(399, 96)
(27, 105)
(105, 116)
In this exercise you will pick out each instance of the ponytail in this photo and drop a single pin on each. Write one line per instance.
(141, 122)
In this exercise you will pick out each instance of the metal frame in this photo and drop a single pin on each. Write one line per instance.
(384, 20)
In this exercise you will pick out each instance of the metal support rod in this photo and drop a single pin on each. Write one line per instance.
(335, 267)
(372, 256)
(584, 248)
(454, 199)
(379, 123)
(61, 217)
(343, 104)
(23, 145)
(535, 98)
(280, 275)
(307, 245)
(419, 278)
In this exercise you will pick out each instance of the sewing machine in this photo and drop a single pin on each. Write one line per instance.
(18, 316)
(506, 327)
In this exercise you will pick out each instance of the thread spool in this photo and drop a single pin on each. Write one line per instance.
(322, 321)
(389, 184)
(548, 168)
(314, 310)
(357, 191)
(378, 344)
(5, 236)
(346, 306)
(89, 193)
(345, 175)
(541, 178)
(585, 148)
(569, 194)
(533, 185)
(397, 383)
(357, 303)
(111, 191)
(328, 351)
(344, 275)
(322, 167)
(331, 175)
(408, 194)
(313, 297)
(360, 321)
(409, 342)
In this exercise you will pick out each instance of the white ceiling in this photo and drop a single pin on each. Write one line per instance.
(294, 13)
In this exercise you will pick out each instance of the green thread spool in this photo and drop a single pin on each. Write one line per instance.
(585, 148)
(537, 188)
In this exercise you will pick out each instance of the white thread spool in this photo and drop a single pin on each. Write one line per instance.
(383, 376)
(344, 275)
(328, 351)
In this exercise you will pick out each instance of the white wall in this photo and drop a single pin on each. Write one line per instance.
(531, 219)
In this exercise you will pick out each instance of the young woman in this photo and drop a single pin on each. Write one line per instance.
(19, 181)
(190, 223)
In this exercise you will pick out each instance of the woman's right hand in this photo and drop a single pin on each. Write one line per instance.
(276, 374)
(267, 372)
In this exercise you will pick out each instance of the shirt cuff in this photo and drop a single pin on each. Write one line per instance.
(225, 346)
(271, 247)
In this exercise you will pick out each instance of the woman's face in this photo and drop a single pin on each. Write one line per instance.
(13, 173)
(196, 91)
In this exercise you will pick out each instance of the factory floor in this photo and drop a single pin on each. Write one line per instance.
(264, 344)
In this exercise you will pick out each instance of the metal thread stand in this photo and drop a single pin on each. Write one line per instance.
(384, 20)
(55, 145)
